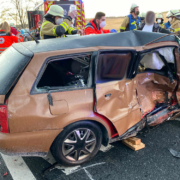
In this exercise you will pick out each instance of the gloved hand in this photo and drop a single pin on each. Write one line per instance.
(113, 31)
(72, 14)
(80, 31)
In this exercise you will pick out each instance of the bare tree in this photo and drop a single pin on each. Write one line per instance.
(16, 10)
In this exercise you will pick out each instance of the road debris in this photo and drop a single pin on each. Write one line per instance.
(174, 153)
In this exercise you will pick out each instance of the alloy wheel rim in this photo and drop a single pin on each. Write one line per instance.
(79, 144)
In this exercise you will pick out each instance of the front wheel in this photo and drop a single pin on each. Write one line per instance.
(77, 144)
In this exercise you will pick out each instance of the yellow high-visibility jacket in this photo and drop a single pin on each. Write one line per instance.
(162, 25)
(50, 30)
(175, 24)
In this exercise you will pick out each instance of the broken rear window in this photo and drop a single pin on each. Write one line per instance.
(70, 72)
(153, 62)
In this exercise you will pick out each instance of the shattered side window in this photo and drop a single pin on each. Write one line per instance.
(153, 62)
(112, 66)
(63, 73)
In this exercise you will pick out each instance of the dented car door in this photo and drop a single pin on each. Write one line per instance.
(116, 97)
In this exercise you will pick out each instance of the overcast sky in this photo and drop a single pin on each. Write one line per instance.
(122, 7)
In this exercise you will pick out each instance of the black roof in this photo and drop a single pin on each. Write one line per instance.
(123, 39)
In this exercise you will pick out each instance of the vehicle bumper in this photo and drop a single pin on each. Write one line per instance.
(35, 143)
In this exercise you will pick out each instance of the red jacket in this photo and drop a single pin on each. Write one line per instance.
(14, 31)
(91, 28)
(6, 40)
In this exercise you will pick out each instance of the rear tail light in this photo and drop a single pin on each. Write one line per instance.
(3, 119)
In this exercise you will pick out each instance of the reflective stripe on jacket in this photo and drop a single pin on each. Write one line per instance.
(175, 24)
(134, 23)
(49, 30)
(161, 25)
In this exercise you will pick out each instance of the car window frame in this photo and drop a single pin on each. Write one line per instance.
(141, 54)
(34, 90)
(128, 68)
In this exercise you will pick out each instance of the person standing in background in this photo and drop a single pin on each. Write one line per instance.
(96, 25)
(160, 20)
(55, 25)
(174, 19)
(13, 29)
(7, 38)
(38, 30)
(151, 26)
(16, 32)
(167, 25)
(142, 17)
(132, 21)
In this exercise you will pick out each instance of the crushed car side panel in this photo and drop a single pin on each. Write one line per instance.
(152, 89)
(177, 53)
(121, 107)
(116, 97)
(157, 88)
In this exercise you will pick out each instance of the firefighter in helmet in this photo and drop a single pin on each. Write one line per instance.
(132, 21)
(160, 20)
(174, 19)
(142, 17)
(55, 26)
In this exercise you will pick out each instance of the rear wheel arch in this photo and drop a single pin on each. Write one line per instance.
(105, 137)
(58, 148)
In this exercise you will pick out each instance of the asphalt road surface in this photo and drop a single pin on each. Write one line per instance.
(116, 162)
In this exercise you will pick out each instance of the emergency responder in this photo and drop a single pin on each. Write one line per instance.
(174, 19)
(96, 25)
(54, 26)
(160, 20)
(13, 29)
(132, 21)
(151, 26)
(15, 32)
(6, 37)
(167, 25)
(142, 17)
(38, 29)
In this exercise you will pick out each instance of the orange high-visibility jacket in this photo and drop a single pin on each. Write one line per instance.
(6, 40)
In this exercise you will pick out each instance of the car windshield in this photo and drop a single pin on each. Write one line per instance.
(11, 65)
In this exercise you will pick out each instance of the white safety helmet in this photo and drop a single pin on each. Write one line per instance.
(12, 25)
(174, 13)
(168, 15)
(142, 15)
(133, 6)
(56, 10)
(159, 16)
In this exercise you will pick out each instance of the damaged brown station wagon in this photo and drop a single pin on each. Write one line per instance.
(71, 95)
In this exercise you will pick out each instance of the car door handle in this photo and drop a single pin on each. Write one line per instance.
(107, 95)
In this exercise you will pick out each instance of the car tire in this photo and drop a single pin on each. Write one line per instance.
(77, 143)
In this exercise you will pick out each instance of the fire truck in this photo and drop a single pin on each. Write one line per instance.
(37, 15)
